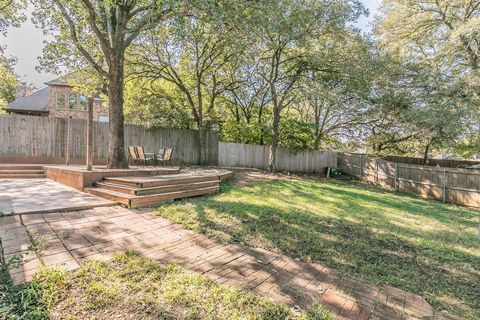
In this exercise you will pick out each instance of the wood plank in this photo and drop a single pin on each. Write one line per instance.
(132, 201)
(19, 167)
(156, 181)
(21, 176)
(145, 201)
(156, 190)
(6, 171)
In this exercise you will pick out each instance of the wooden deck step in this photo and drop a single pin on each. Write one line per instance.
(132, 201)
(157, 181)
(6, 171)
(155, 190)
(119, 197)
(20, 167)
(21, 176)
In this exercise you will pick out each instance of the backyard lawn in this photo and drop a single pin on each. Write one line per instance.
(365, 232)
(132, 287)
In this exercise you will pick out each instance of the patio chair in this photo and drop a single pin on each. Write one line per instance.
(167, 157)
(133, 154)
(161, 153)
(145, 157)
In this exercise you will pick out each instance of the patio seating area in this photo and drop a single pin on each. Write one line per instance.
(137, 154)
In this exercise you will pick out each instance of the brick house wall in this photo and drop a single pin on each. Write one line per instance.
(74, 104)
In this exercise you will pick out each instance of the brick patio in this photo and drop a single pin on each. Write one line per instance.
(99, 233)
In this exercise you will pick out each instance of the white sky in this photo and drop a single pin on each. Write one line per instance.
(26, 44)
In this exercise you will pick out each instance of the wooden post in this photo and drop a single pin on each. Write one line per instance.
(90, 135)
(361, 166)
(69, 141)
(444, 192)
(396, 175)
(375, 168)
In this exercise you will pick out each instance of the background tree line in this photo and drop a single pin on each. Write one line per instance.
(290, 73)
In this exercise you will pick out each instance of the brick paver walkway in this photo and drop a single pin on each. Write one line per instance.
(99, 233)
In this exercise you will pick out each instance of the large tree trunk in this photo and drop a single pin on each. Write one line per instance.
(116, 146)
(275, 133)
(202, 145)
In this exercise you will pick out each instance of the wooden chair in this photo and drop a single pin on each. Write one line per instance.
(145, 157)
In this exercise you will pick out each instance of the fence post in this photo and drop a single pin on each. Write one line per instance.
(396, 175)
(69, 142)
(361, 166)
(90, 135)
(444, 192)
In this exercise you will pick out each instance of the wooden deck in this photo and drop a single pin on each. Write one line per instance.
(148, 191)
(79, 178)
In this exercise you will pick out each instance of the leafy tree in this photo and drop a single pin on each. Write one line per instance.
(8, 83)
(446, 31)
(95, 34)
(11, 13)
(336, 102)
(242, 132)
(418, 109)
(286, 41)
(192, 54)
(156, 104)
(248, 99)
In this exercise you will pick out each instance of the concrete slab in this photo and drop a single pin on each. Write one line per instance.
(21, 196)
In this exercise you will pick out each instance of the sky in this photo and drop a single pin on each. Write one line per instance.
(26, 44)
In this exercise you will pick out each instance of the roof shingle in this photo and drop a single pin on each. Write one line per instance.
(36, 102)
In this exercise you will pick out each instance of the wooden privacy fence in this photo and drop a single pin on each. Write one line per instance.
(256, 156)
(43, 137)
(460, 186)
(449, 163)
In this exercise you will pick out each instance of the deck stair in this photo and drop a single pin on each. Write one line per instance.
(13, 171)
(135, 192)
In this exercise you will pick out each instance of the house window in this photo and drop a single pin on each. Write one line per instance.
(72, 101)
(61, 100)
(83, 103)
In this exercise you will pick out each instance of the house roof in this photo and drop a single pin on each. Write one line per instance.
(36, 102)
(58, 82)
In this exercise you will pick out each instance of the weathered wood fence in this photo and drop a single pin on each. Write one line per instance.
(46, 138)
(460, 186)
(256, 156)
(449, 163)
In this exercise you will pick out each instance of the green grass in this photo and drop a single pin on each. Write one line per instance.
(365, 232)
(133, 287)
(19, 301)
